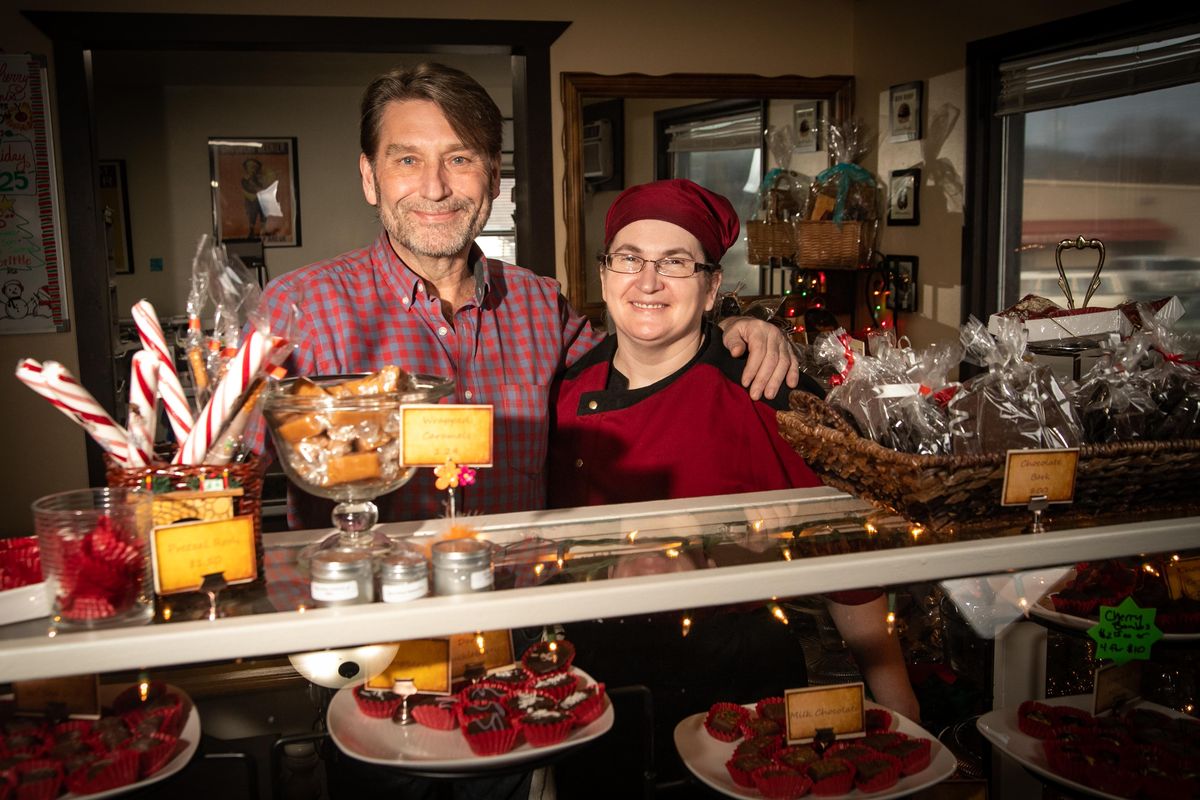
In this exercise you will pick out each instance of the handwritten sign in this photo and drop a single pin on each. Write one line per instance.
(426, 662)
(1183, 579)
(77, 696)
(465, 651)
(1115, 685)
(429, 434)
(1125, 632)
(30, 289)
(1039, 473)
(184, 553)
(838, 707)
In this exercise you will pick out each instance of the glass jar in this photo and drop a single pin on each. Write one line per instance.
(403, 576)
(342, 576)
(462, 566)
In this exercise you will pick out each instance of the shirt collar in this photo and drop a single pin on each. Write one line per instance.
(405, 281)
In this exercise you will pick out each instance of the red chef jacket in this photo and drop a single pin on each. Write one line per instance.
(691, 434)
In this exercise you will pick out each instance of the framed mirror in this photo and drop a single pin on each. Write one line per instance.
(615, 134)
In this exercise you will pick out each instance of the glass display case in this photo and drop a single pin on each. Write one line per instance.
(562, 566)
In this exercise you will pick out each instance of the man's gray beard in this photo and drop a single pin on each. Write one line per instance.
(434, 241)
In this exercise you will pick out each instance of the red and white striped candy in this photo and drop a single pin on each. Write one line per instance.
(95, 420)
(143, 399)
(179, 413)
(243, 368)
(29, 372)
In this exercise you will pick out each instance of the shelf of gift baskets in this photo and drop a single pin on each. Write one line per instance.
(559, 566)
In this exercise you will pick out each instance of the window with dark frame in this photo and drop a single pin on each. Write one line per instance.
(1097, 135)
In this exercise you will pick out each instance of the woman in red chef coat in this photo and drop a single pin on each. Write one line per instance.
(657, 411)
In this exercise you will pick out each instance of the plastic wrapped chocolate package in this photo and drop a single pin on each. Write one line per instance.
(1015, 404)
(845, 191)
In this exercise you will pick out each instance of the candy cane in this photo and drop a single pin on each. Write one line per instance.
(179, 412)
(91, 415)
(30, 372)
(242, 369)
(143, 399)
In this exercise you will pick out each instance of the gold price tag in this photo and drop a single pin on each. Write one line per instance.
(184, 553)
(1039, 473)
(426, 662)
(837, 707)
(429, 434)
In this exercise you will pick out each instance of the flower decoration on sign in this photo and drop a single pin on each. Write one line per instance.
(451, 476)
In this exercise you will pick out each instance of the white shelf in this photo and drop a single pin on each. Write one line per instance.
(26, 651)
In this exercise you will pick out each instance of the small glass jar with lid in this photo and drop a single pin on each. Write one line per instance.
(342, 576)
(403, 575)
(462, 566)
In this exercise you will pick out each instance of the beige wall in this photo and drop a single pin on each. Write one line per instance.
(881, 43)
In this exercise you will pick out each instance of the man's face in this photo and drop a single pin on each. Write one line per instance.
(434, 193)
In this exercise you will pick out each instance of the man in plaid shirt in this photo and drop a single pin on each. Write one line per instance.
(424, 297)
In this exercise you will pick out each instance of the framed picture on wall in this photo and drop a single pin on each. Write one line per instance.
(904, 102)
(114, 200)
(904, 198)
(902, 282)
(255, 189)
(807, 122)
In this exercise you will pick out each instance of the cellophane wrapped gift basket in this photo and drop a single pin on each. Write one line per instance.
(896, 432)
(771, 232)
(841, 216)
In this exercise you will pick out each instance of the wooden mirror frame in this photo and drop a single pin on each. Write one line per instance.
(838, 90)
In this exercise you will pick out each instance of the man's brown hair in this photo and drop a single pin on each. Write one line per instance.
(468, 107)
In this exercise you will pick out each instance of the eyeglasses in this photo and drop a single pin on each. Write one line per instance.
(671, 267)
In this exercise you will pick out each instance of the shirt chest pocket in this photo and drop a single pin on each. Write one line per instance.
(522, 427)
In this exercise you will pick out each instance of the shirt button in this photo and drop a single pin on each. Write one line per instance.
(578, 462)
(404, 300)
(593, 405)
(420, 287)
(467, 394)
(442, 331)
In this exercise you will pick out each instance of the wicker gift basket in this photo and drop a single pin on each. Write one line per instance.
(834, 245)
(952, 492)
(771, 236)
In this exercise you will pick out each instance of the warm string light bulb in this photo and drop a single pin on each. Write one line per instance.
(871, 529)
(890, 618)
(1149, 569)
(480, 643)
(778, 613)
(631, 536)
(915, 531)
(166, 612)
(560, 562)
(686, 625)
(1175, 557)
(538, 569)
(787, 554)
(143, 687)
(671, 552)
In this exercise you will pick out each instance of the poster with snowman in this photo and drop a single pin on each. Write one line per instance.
(30, 288)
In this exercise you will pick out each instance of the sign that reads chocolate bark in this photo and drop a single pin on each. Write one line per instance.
(1039, 473)
(184, 553)
(839, 708)
(429, 434)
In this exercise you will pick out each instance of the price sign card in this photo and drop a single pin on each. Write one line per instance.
(77, 696)
(489, 649)
(426, 662)
(1125, 632)
(182, 554)
(1115, 685)
(1183, 579)
(1039, 473)
(429, 434)
(837, 707)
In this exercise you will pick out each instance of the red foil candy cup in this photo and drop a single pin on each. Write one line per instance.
(121, 770)
(780, 783)
(878, 719)
(375, 707)
(542, 734)
(557, 690)
(493, 742)
(829, 785)
(735, 731)
(548, 658)
(1035, 719)
(591, 707)
(742, 768)
(152, 759)
(41, 788)
(435, 715)
(877, 774)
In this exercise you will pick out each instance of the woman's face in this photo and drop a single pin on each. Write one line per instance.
(653, 309)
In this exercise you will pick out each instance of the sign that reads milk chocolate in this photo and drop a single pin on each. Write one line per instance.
(425, 662)
(184, 553)
(77, 696)
(1039, 473)
(839, 708)
(429, 434)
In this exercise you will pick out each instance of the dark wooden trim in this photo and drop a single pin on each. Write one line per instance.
(76, 34)
(837, 89)
(986, 168)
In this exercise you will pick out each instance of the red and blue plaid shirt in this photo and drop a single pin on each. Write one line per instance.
(365, 309)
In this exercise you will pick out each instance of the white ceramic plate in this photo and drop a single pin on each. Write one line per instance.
(1044, 609)
(706, 757)
(189, 740)
(379, 741)
(1000, 728)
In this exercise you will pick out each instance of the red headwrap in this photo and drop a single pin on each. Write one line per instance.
(706, 215)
